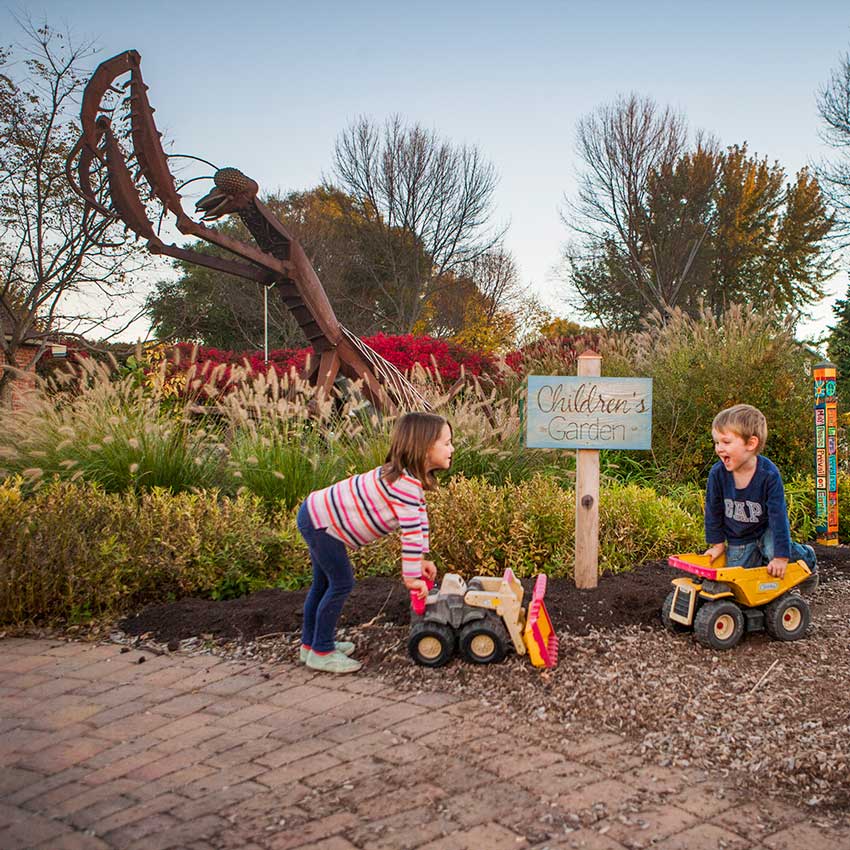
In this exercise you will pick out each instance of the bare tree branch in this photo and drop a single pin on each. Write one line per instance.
(47, 250)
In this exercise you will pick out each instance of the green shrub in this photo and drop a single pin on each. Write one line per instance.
(699, 367)
(636, 524)
(843, 508)
(800, 499)
(530, 527)
(73, 548)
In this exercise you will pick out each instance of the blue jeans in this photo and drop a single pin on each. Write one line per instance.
(759, 553)
(333, 580)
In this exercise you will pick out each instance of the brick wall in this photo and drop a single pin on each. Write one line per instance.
(23, 383)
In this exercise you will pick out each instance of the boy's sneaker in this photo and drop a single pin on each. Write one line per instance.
(810, 585)
(346, 647)
(333, 662)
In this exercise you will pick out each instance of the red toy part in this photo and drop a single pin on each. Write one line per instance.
(540, 638)
(689, 566)
(417, 602)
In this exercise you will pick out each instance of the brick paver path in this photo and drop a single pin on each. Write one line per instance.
(101, 751)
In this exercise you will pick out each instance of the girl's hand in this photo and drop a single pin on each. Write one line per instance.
(429, 570)
(417, 585)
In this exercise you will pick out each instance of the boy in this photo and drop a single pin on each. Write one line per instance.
(745, 512)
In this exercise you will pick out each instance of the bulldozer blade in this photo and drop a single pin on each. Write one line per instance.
(539, 636)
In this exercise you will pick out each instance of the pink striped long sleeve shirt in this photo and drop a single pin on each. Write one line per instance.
(364, 508)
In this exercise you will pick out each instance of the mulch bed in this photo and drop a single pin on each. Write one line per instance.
(627, 599)
(768, 715)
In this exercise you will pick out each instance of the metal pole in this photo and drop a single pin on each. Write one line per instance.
(266, 325)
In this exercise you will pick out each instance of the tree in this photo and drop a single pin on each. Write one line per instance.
(838, 346)
(477, 306)
(221, 310)
(834, 108)
(659, 224)
(61, 272)
(428, 204)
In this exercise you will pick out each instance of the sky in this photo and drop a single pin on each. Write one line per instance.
(268, 86)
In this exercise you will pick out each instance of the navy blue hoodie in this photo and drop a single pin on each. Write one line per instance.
(735, 516)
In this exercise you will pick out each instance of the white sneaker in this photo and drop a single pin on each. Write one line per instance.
(346, 647)
(333, 662)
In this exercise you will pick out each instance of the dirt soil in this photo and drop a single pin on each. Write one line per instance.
(768, 715)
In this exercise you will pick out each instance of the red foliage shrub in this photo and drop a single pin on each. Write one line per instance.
(545, 356)
(402, 351)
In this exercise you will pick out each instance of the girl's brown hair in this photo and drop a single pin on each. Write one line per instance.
(413, 436)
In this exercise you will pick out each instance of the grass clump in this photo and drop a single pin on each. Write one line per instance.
(112, 433)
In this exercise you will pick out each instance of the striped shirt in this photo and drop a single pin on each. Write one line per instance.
(364, 508)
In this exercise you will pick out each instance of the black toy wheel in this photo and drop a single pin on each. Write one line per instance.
(666, 608)
(431, 644)
(788, 617)
(484, 641)
(719, 625)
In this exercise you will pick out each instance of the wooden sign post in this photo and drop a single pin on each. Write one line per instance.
(826, 462)
(588, 413)
(587, 494)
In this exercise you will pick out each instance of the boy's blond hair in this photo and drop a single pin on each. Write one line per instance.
(744, 420)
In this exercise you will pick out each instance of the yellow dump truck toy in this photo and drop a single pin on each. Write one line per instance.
(484, 620)
(721, 603)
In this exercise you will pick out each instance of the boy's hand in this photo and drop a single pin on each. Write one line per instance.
(715, 551)
(777, 567)
(429, 570)
(417, 585)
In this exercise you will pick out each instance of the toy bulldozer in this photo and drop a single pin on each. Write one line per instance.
(721, 603)
(483, 619)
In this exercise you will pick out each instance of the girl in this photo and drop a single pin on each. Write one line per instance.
(360, 510)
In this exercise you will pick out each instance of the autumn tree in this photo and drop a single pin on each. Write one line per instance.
(658, 223)
(428, 204)
(479, 306)
(61, 273)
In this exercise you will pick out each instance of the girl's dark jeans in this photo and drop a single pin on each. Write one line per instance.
(333, 579)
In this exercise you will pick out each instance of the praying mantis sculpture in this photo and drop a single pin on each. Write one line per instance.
(99, 170)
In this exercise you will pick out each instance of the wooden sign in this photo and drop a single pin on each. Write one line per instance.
(586, 412)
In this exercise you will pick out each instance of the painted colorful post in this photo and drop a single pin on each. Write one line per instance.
(826, 461)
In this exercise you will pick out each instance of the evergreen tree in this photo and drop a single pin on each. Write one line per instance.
(838, 347)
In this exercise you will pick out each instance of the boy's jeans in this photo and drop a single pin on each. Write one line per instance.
(759, 553)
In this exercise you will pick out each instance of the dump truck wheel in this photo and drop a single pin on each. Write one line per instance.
(719, 625)
(431, 644)
(788, 617)
(666, 608)
(484, 641)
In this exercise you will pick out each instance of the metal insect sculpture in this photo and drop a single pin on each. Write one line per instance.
(100, 172)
